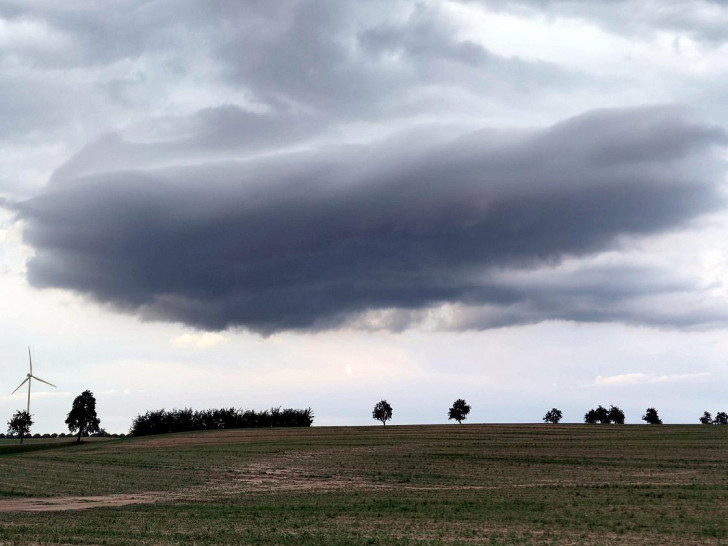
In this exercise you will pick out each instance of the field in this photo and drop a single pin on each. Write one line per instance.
(450, 484)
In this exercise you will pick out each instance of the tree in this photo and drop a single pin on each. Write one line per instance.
(721, 418)
(706, 419)
(382, 411)
(651, 417)
(82, 417)
(616, 415)
(552, 416)
(599, 415)
(605, 416)
(20, 424)
(602, 414)
(459, 410)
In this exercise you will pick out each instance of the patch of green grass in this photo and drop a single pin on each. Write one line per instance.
(12, 449)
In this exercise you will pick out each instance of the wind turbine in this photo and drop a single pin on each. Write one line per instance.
(28, 380)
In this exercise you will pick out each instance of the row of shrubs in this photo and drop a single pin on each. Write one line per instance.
(101, 433)
(185, 420)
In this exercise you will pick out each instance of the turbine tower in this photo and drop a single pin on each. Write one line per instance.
(28, 379)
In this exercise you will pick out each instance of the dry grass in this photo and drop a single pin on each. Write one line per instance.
(501, 484)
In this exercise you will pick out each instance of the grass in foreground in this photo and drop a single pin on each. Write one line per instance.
(500, 484)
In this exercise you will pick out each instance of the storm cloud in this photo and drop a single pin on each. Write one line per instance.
(320, 238)
(195, 74)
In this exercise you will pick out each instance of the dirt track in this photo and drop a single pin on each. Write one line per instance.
(50, 504)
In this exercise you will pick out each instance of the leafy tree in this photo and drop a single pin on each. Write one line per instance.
(382, 411)
(552, 416)
(459, 410)
(605, 416)
(602, 415)
(651, 417)
(82, 417)
(599, 415)
(721, 418)
(706, 419)
(20, 424)
(616, 415)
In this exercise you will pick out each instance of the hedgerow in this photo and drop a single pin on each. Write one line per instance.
(185, 420)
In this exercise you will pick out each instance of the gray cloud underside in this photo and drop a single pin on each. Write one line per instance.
(316, 239)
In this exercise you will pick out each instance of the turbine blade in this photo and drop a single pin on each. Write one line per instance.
(23, 383)
(30, 361)
(42, 381)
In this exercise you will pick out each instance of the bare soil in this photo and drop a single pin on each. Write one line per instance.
(51, 504)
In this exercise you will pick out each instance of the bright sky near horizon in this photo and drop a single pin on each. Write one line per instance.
(325, 203)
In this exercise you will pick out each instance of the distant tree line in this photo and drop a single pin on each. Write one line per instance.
(84, 422)
(614, 415)
(185, 420)
(101, 434)
(721, 418)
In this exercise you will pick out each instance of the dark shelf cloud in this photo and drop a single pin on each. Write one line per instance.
(314, 239)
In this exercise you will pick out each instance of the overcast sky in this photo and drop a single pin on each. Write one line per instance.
(302, 203)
